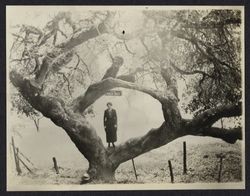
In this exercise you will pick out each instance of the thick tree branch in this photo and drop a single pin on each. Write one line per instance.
(95, 91)
(199, 126)
(228, 135)
(155, 138)
(62, 53)
(52, 62)
(84, 36)
(130, 77)
(114, 68)
(50, 107)
(209, 117)
(168, 76)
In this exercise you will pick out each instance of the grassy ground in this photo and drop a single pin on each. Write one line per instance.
(202, 163)
(152, 167)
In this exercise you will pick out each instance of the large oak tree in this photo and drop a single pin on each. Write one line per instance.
(200, 47)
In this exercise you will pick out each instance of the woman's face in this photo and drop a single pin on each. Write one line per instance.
(109, 106)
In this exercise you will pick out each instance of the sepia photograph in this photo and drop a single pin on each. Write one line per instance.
(125, 97)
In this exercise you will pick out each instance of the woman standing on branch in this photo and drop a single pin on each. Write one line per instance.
(110, 124)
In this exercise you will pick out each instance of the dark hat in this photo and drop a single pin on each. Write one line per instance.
(109, 103)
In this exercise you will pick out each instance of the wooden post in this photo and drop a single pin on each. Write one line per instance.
(18, 169)
(134, 168)
(184, 158)
(220, 169)
(171, 171)
(55, 165)
(17, 155)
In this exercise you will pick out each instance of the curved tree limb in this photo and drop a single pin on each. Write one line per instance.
(158, 137)
(155, 138)
(83, 36)
(112, 71)
(199, 126)
(228, 135)
(63, 51)
(130, 77)
(209, 117)
(95, 91)
(53, 61)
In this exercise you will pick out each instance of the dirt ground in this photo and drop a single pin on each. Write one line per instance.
(152, 167)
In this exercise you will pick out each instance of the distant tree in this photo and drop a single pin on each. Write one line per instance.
(201, 48)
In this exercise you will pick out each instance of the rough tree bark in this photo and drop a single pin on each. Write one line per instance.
(104, 162)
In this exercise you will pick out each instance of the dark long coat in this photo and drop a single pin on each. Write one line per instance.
(110, 124)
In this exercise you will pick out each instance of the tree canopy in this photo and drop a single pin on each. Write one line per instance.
(202, 48)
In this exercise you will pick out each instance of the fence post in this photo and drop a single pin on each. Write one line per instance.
(184, 158)
(134, 168)
(18, 169)
(55, 165)
(17, 155)
(171, 171)
(220, 169)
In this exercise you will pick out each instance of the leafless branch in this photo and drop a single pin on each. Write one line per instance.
(66, 80)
